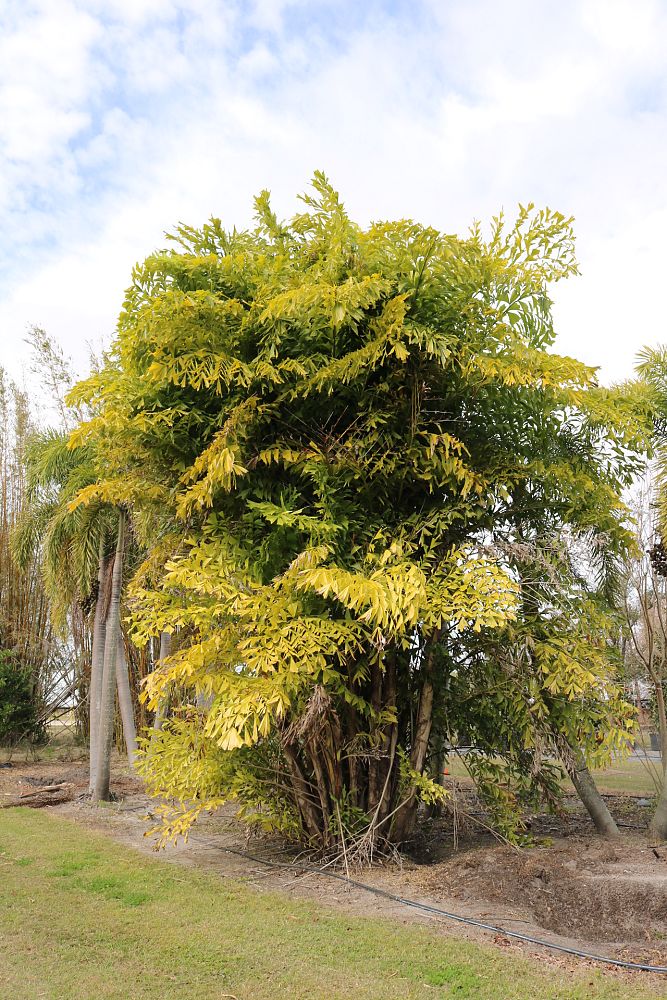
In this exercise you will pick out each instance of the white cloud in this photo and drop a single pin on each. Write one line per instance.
(47, 80)
(156, 111)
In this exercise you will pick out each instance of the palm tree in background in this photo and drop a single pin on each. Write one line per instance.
(74, 544)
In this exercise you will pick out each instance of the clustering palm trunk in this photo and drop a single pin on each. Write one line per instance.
(324, 769)
(407, 814)
(163, 707)
(334, 777)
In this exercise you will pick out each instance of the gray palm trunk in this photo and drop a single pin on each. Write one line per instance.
(97, 666)
(101, 789)
(125, 702)
(163, 706)
(658, 825)
(582, 779)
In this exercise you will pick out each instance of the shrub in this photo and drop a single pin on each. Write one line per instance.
(18, 715)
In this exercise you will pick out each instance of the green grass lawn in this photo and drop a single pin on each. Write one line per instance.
(631, 776)
(81, 917)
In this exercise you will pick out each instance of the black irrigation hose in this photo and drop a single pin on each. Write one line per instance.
(636, 966)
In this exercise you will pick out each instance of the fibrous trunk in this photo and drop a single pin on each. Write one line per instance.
(337, 775)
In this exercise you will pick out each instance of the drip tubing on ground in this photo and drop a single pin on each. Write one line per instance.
(437, 911)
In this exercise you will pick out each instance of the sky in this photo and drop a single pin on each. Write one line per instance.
(121, 118)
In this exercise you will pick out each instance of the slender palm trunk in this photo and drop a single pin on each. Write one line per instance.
(662, 721)
(406, 817)
(97, 665)
(163, 707)
(582, 779)
(658, 825)
(103, 768)
(125, 702)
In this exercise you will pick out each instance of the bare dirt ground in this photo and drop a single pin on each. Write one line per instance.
(572, 888)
